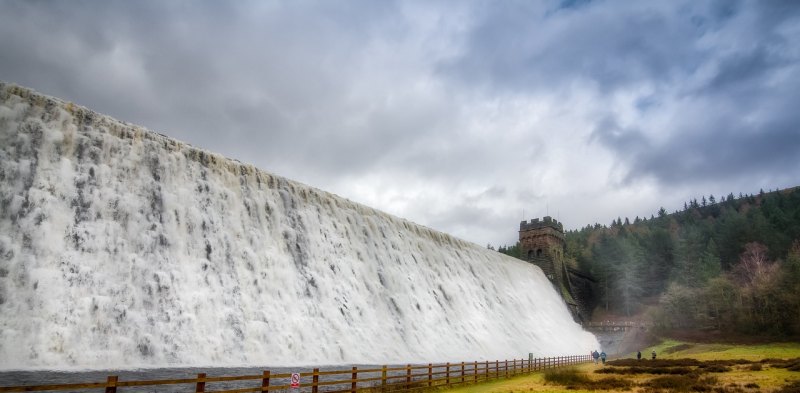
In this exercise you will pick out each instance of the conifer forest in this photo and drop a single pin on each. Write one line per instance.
(730, 264)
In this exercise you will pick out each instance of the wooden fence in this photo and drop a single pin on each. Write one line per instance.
(384, 379)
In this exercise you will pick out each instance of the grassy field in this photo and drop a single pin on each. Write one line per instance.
(717, 368)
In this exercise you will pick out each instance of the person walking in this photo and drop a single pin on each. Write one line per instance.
(603, 357)
(595, 356)
(638, 355)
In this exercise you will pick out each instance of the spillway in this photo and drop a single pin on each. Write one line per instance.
(120, 247)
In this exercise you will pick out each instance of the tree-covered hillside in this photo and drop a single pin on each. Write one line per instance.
(731, 264)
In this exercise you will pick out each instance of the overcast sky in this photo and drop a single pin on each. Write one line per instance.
(458, 115)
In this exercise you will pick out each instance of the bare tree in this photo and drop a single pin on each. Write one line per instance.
(754, 264)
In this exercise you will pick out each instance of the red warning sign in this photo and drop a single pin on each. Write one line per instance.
(295, 380)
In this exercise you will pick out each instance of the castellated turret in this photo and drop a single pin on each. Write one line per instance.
(542, 243)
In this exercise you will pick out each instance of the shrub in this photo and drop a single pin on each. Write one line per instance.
(646, 370)
(573, 379)
(672, 382)
(682, 383)
(717, 369)
(566, 376)
(789, 364)
(731, 388)
(793, 387)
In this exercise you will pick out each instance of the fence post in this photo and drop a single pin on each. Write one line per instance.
(201, 383)
(111, 384)
(354, 378)
(475, 371)
(462, 372)
(497, 368)
(383, 378)
(408, 377)
(486, 371)
(265, 381)
(447, 378)
(505, 369)
(430, 374)
(315, 381)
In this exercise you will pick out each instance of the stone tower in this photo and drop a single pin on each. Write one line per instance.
(542, 243)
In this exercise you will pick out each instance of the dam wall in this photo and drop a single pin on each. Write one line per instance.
(123, 248)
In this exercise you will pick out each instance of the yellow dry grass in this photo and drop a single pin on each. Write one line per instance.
(768, 379)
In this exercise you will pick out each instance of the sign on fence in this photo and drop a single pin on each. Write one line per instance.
(295, 380)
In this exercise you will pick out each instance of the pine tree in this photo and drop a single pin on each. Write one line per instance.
(710, 265)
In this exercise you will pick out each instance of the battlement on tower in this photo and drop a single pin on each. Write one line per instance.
(545, 222)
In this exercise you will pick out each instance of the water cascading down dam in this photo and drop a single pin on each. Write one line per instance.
(120, 247)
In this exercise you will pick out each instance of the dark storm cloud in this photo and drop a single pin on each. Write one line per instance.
(457, 115)
(736, 62)
(767, 150)
(526, 46)
(254, 80)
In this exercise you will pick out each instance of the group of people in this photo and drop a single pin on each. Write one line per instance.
(639, 355)
(602, 356)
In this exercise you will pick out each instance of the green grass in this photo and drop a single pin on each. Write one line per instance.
(740, 376)
(666, 350)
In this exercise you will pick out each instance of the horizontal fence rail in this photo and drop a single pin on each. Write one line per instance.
(377, 379)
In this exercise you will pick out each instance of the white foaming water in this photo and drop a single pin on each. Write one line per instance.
(123, 248)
